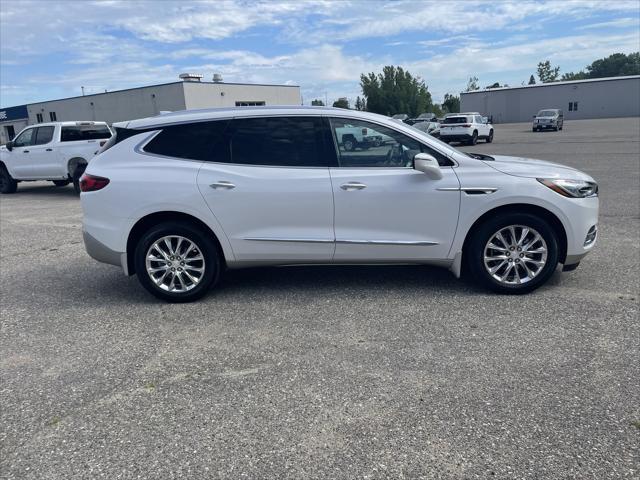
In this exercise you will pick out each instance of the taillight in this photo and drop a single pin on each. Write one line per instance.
(91, 183)
(466, 125)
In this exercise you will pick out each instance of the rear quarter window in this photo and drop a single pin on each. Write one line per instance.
(205, 141)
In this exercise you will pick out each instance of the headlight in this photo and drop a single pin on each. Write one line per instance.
(571, 188)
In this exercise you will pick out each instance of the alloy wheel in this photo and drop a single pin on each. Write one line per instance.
(515, 255)
(175, 264)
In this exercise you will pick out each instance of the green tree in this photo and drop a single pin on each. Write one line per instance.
(574, 76)
(317, 103)
(341, 103)
(472, 84)
(615, 65)
(532, 80)
(547, 73)
(437, 110)
(494, 85)
(393, 91)
(451, 103)
(359, 103)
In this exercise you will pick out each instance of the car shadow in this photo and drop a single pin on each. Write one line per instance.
(38, 189)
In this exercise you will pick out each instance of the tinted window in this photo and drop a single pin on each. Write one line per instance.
(456, 120)
(278, 141)
(84, 132)
(206, 141)
(364, 144)
(44, 135)
(25, 138)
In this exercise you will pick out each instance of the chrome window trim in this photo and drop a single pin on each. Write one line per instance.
(343, 241)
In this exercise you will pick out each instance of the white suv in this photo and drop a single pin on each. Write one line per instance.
(466, 127)
(178, 198)
(58, 151)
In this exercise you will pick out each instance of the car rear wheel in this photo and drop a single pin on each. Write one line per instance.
(7, 183)
(177, 262)
(490, 137)
(513, 253)
(61, 183)
(474, 138)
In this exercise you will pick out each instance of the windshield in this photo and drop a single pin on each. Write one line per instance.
(456, 120)
(546, 113)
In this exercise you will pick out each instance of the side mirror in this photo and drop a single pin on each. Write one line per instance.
(9, 146)
(425, 163)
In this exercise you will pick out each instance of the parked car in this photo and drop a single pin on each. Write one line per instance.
(551, 118)
(432, 128)
(58, 151)
(423, 117)
(401, 117)
(179, 198)
(350, 138)
(467, 127)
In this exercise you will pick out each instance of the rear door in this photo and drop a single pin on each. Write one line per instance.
(272, 195)
(44, 161)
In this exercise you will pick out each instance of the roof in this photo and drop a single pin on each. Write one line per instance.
(554, 84)
(184, 116)
(73, 123)
(158, 85)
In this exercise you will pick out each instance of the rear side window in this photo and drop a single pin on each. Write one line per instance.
(44, 135)
(205, 141)
(84, 132)
(278, 141)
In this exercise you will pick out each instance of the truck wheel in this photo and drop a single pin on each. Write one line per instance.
(349, 143)
(7, 183)
(61, 183)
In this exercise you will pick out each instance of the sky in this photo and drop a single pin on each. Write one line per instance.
(51, 48)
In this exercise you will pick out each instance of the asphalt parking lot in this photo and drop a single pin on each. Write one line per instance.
(326, 372)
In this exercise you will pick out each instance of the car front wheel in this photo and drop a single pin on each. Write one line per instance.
(490, 137)
(177, 262)
(513, 253)
(7, 183)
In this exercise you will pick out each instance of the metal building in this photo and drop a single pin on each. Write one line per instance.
(579, 99)
(119, 105)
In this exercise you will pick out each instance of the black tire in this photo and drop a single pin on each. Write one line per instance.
(7, 183)
(556, 129)
(560, 127)
(349, 143)
(61, 183)
(203, 241)
(475, 251)
(490, 137)
(76, 177)
(474, 138)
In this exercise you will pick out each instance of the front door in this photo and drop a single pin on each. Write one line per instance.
(273, 196)
(43, 159)
(20, 156)
(387, 211)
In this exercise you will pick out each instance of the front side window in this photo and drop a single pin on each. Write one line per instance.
(365, 144)
(25, 138)
(44, 135)
(278, 141)
(205, 141)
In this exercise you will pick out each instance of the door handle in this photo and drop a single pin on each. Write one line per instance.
(49, 149)
(353, 186)
(222, 184)
(25, 151)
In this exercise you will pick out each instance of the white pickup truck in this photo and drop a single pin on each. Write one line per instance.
(58, 151)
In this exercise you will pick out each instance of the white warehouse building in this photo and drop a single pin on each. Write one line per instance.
(120, 105)
(579, 99)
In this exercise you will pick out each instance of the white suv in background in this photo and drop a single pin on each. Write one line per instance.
(58, 151)
(176, 199)
(466, 127)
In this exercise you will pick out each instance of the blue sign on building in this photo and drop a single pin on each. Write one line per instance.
(14, 113)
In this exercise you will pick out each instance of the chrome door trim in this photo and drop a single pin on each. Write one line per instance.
(387, 242)
(303, 240)
(468, 189)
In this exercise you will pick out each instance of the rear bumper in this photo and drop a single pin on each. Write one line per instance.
(100, 252)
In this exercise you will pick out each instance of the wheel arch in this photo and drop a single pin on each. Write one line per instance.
(146, 222)
(73, 163)
(541, 212)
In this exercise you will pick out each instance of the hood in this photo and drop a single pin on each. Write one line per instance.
(547, 118)
(531, 168)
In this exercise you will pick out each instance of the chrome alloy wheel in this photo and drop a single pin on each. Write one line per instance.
(515, 254)
(175, 264)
